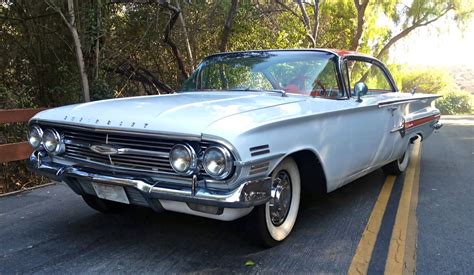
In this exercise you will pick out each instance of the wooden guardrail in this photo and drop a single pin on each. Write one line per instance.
(20, 150)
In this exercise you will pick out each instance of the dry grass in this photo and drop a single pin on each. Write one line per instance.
(464, 77)
(15, 176)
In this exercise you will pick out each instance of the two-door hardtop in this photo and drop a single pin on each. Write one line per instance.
(247, 133)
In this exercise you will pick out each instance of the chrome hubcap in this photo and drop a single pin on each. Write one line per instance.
(281, 198)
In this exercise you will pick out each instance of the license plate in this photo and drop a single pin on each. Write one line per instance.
(110, 192)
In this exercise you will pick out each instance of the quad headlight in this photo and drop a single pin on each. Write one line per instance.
(217, 161)
(52, 142)
(183, 159)
(35, 134)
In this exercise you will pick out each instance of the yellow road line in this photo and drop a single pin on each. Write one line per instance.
(405, 227)
(360, 261)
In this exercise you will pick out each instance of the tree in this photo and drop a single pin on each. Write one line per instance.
(311, 32)
(361, 7)
(405, 19)
(71, 24)
(228, 25)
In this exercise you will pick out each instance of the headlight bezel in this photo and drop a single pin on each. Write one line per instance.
(193, 164)
(40, 132)
(59, 148)
(228, 162)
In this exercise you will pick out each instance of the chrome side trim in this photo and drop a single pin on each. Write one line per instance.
(406, 100)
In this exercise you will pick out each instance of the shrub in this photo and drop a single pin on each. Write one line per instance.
(427, 80)
(455, 102)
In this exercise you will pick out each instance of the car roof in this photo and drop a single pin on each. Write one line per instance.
(337, 52)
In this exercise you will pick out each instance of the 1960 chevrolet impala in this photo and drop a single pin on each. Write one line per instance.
(247, 133)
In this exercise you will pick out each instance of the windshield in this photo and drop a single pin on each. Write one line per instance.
(300, 72)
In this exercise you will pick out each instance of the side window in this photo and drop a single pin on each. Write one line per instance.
(372, 75)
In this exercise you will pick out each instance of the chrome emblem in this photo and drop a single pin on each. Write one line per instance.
(105, 149)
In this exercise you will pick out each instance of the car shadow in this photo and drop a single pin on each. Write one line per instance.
(326, 234)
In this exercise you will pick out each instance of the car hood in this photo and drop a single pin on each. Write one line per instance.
(183, 113)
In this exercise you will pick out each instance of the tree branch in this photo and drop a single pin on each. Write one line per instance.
(316, 21)
(228, 25)
(287, 8)
(406, 31)
(169, 26)
(361, 8)
(71, 24)
(141, 75)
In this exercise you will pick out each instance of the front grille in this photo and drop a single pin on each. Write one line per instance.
(78, 144)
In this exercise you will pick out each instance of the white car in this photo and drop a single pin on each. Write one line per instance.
(247, 133)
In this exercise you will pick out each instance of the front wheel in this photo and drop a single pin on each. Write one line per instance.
(273, 221)
(399, 166)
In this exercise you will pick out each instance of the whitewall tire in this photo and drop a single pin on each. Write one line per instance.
(399, 166)
(274, 221)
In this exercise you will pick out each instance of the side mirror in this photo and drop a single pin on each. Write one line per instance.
(360, 89)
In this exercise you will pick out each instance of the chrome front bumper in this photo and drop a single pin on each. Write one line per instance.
(248, 194)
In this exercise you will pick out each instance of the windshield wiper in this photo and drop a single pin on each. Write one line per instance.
(282, 92)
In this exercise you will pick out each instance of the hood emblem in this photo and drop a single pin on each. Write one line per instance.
(105, 149)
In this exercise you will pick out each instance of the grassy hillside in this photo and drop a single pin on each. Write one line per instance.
(464, 77)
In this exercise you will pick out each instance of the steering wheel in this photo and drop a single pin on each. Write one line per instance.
(323, 92)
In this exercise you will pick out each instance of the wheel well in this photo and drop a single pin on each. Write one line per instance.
(313, 179)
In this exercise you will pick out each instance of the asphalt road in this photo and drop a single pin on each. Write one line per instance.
(50, 229)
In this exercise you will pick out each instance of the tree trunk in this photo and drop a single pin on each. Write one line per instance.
(228, 25)
(188, 45)
(316, 22)
(97, 39)
(78, 48)
(361, 8)
(174, 49)
(306, 23)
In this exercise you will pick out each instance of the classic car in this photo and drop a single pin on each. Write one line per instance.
(248, 133)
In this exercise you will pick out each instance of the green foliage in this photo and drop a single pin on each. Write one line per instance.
(455, 102)
(337, 24)
(427, 80)
(100, 89)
